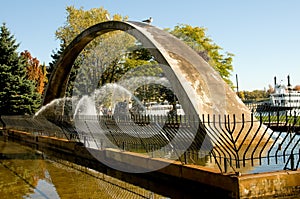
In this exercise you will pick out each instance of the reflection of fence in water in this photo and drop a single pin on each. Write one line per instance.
(151, 135)
(112, 186)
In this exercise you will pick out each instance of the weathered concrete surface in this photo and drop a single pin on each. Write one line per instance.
(282, 184)
(199, 88)
(278, 184)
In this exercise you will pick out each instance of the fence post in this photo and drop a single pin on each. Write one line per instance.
(152, 150)
(292, 161)
(84, 140)
(225, 165)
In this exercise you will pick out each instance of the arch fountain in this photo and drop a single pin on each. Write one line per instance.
(200, 89)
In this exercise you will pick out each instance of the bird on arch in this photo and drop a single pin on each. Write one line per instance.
(149, 21)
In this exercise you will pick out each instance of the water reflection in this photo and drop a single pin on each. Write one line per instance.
(27, 174)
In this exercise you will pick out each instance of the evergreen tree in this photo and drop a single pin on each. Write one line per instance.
(18, 95)
(55, 57)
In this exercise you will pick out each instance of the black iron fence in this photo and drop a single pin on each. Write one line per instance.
(256, 145)
(230, 143)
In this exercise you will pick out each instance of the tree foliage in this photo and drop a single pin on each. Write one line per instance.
(79, 19)
(18, 94)
(105, 62)
(143, 64)
(196, 38)
(297, 88)
(55, 56)
(255, 95)
(35, 71)
(100, 58)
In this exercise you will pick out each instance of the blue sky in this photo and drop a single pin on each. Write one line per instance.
(264, 35)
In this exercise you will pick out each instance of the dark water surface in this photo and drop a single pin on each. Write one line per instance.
(26, 173)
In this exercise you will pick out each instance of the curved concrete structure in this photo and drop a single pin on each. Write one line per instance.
(199, 88)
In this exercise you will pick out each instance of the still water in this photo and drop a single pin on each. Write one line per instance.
(25, 173)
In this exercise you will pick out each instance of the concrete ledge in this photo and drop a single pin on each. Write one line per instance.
(57, 143)
(279, 184)
(195, 173)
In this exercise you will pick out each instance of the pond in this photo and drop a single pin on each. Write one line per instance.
(27, 173)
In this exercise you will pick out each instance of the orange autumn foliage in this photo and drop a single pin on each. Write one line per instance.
(35, 71)
(297, 88)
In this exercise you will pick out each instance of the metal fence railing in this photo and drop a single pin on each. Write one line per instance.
(229, 143)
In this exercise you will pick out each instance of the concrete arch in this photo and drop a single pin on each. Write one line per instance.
(199, 88)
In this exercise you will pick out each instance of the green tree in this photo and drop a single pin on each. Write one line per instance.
(79, 19)
(254, 96)
(102, 57)
(18, 95)
(105, 63)
(55, 56)
(196, 38)
(139, 62)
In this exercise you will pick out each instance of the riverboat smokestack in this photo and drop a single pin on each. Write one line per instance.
(289, 86)
(275, 82)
